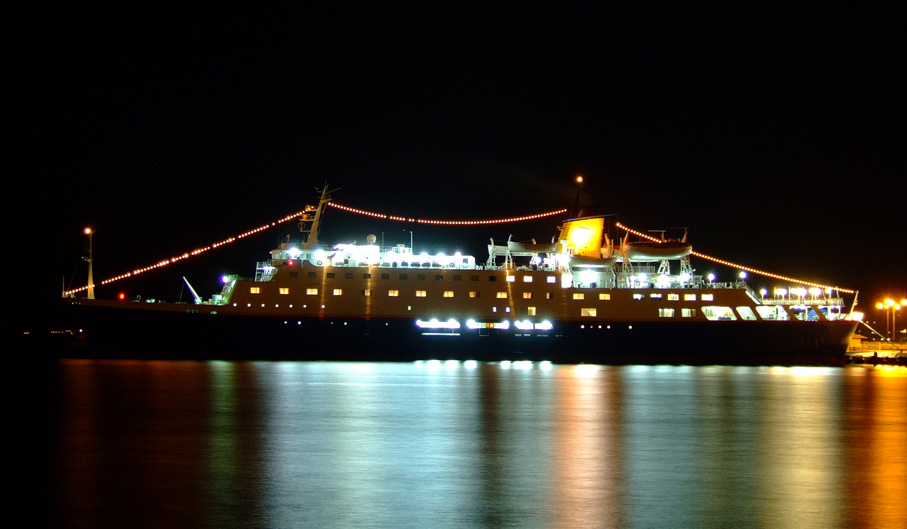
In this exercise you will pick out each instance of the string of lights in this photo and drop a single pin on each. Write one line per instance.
(746, 269)
(294, 216)
(448, 222)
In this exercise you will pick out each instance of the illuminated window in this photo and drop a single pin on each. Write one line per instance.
(718, 313)
(688, 313)
(745, 312)
(665, 313)
(420, 293)
(502, 295)
(393, 293)
(311, 291)
(448, 293)
(527, 295)
(511, 279)
(579, 295)
(655, 296)
(588, 312)
(637, 296)
(604, 297)
(338, 291)
(708, 297)
(367, 292)
(527, 279)
(549, 295)
(255, 290)
(673, 297)
(530, 311)
(551, 279)
(473, 294)
(689, 297)
(283, 291)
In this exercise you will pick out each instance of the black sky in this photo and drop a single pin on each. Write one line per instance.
(773, 133)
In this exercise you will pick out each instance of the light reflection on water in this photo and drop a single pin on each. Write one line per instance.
(436, 444)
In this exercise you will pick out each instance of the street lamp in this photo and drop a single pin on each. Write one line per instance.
(90, 232)
(891, 307)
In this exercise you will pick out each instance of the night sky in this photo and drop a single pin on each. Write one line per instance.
(774, 134)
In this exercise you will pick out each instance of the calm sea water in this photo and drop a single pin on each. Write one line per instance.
(283, 444)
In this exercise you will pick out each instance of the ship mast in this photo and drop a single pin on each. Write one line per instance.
(310, 222)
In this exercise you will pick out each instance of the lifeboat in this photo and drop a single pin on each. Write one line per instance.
(656, 251)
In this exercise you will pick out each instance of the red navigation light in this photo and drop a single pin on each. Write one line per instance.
(290, 263)
(122, 296)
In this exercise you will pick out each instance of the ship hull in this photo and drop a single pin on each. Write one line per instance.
(132, 330)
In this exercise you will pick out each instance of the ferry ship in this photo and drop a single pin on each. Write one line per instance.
(584, 297)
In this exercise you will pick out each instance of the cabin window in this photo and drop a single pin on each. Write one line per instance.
(348, 275)
(590, 312)
(367, 292)
(502, 295)
(448, 293)
(655, 296)
(689, 297)
(637, 296)
(549, 295)
(673, 297)
(255, 290)
(527, 279)
(420, 276)
(393, 293)
(511, 279)
(718, 313)
(311, 291)
(775, 313)
(604, 297)
(294, 274)
(492, 278)
(473, 278)
(551, 279)
(458, 277)
(530, 311)
(403, 276)
(338, 291)
(579, 295)
(439, 277)
(688, 313)
(283, 291)
(385, 276)
(420, 294)
(708, 297)
(473, 294)
(665, 313)
(746, 313)
(330, 275)
(366, 276)
(311, 275)
(527, 295)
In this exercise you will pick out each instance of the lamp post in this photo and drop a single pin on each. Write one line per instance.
(890, 307)
(90, 232)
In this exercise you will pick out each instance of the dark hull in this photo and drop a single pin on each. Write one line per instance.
(150, 334)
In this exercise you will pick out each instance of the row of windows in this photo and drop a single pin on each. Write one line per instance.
(602, 296)
(422, 277)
